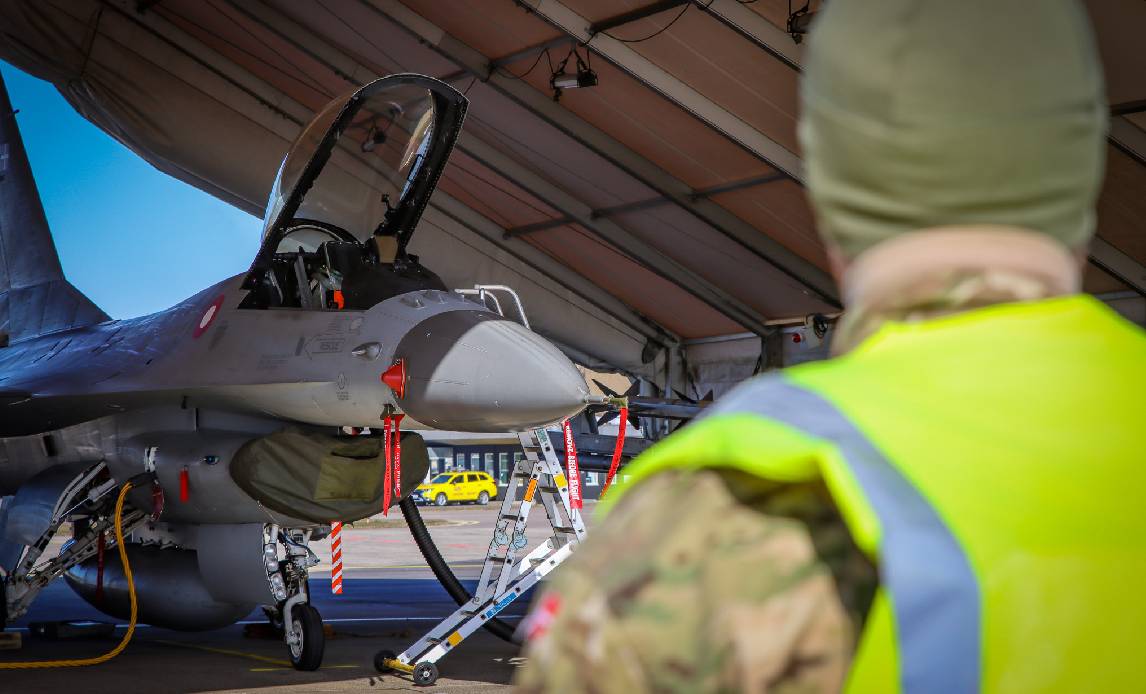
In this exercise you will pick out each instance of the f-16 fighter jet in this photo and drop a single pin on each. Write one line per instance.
(232, 399)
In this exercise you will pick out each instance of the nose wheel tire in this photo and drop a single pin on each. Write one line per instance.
(441, 499)
(425, 674)
(483, 498)
(306, 642)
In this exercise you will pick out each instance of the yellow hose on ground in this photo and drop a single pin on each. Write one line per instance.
(81, 662)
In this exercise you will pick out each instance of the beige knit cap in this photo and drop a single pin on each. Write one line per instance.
(931, 113)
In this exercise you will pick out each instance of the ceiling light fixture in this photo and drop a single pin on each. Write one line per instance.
(800, 21)
(583, 77)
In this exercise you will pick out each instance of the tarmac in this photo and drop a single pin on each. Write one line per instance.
(389, 600)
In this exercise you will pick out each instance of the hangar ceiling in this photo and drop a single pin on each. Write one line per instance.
(659, 208)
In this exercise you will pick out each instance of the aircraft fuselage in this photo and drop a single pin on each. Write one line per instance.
(471, 369)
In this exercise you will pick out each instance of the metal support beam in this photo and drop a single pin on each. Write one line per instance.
(529, 51)
(1127, 108)
(634, 15)
(733, 186)
(653, 76)
(753, 27)
(660, 200)
(613, 235)
(816, 281)
(606, 212)
(1113, 296)
(1128, 138)
(1118, 264)
(526, 229)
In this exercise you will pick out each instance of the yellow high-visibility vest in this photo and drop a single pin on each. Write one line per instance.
(993, 465)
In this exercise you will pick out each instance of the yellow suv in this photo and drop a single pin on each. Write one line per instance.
(456, 487)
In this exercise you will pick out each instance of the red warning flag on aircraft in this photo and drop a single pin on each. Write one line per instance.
(387, 480)
(572, 469)
(397, 442)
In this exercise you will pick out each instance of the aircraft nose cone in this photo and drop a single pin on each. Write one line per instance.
(476, 371)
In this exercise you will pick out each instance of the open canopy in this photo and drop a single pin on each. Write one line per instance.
(368, 162)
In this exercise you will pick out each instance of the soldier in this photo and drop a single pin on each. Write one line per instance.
(950, 504)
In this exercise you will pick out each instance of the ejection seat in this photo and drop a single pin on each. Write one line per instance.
(372, 283)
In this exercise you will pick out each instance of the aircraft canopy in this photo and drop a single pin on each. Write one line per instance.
(368, 161)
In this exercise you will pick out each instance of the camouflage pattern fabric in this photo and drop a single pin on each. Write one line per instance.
(704, 581)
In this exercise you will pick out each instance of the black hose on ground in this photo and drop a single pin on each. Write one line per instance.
(442, 570)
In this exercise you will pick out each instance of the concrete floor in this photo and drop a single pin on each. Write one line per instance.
(389, 600)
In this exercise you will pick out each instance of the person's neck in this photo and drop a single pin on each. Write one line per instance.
(945, 270)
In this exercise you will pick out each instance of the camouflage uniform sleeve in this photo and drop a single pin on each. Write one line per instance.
(704, 581)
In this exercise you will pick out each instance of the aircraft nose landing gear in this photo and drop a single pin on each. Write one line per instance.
(305, 639)
(302, 624)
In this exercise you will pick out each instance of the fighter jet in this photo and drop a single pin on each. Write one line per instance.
(232, 398)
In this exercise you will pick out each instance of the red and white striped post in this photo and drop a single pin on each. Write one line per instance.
(336, 558)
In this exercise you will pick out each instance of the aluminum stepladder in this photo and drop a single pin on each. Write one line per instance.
(504, 576)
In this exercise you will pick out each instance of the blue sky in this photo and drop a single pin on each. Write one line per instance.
(130, 237)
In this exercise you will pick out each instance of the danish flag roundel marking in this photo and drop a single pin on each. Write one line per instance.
(209, 316)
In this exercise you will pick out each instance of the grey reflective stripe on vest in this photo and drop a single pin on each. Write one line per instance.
(935, 596)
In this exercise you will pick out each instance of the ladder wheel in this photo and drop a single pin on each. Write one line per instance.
(425, 674)
(483, 498)
(380, 659)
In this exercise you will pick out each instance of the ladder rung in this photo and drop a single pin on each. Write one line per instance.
(541, 469)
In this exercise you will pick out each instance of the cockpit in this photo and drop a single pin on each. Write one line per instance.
(349, 195)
